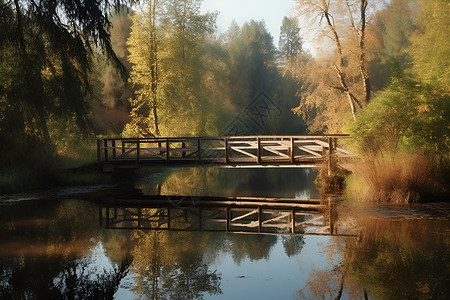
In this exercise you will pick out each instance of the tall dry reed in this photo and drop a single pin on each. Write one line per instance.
(397, 178)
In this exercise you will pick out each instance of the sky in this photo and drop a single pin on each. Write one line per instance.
(241, 11)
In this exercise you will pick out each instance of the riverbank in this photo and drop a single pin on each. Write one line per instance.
(24, 179)
(399, 179)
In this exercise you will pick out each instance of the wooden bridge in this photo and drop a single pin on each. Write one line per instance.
(230, 151)
(253, 215)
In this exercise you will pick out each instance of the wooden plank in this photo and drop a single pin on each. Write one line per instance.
(244, 152)
(283, 216)
(278, 153)
(310, 151)
(245, 215)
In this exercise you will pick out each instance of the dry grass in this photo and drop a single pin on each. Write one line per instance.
(399, 178)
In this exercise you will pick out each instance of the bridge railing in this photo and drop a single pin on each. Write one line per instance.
(224, 150)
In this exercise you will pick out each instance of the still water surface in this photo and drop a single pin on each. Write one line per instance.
(57, 248)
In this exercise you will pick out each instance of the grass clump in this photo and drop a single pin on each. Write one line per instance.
(399, 178)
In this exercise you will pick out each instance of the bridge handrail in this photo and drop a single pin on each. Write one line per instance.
(259, 149)
(163, 139)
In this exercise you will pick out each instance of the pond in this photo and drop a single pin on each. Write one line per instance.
(61, 247)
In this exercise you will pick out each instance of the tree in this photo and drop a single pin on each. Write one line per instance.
(430, 46)
(45, 58)
(112, 113)
(355, 13)
(169, 46)
(143, 48)
(412, 112)
(389, 32)
(290, 44)
(252, 67)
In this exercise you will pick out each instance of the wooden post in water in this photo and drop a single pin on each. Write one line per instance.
(330, 217)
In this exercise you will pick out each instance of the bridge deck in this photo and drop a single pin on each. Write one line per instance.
(243, 151)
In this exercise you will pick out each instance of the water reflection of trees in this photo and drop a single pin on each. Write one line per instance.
(392, 259)
(41, 245)
(236, 182)
(171, 265)
(407, 259)
(46, 251)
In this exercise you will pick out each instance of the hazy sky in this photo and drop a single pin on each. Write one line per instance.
(271, 11)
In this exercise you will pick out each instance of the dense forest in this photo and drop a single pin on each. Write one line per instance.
(74, 70)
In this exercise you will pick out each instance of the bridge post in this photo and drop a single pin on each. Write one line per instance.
(226, 152)
(293, 221)
(259, 219)
(330, 156)
(105, 144)
(292, 151)
(114, 148)
(228, 217)
(138, 150)
(107, 217)
(99, 154)
(199, 149)
(258, 150)
(183, 153)
(167, 150)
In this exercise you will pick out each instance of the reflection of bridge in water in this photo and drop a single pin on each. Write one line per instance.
(220, 214)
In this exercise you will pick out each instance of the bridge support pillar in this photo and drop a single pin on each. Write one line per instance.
(330, 156)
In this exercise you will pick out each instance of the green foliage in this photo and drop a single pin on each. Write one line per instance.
(290, 44)
(430, 46)
(45, 64)
(176, 70)
(407, 115)
(413, 111)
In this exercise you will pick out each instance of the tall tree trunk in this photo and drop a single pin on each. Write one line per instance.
(154, 66)
(362, 52)
(360, 32)
(339, 68)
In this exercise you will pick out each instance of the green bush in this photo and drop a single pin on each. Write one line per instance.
(406, 116)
